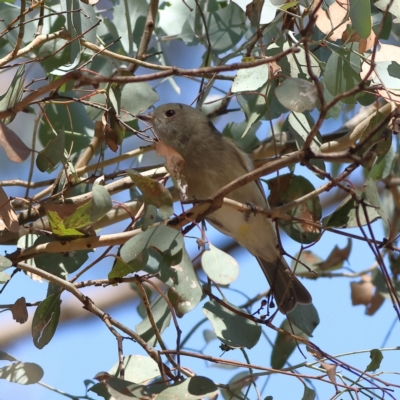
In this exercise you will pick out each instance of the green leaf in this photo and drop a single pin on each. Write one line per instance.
(235, 131)
(67, 219)
(54, 153)
(45, 320)
(284, 345)
(175, 21)
(345, 216)
(114, 97)
(136, 98)
(305, 317)
(13, 94)
(287, 188)
(335, 111)
(120, 389)
(309, 394)
(263, 16)
(24, 373)
(197, 387)
(393, 9)
(185, 291)
(73, 120)
(372, 196)
(360, 14)
(382, 137)
(379, 282)
(342, 73)
(4, 277)
(149, 217)
(297, 95)
(219, 266)
(236, 384)
(376, 359)
(153, 193)
(254, 107)
(225, 27)
(92, 211)
(74, 30)
(5, 263)
(300, 125)
(134, 252)
(250, 79)
(59, 264)
(384, 167)
(137, 369)
(231, 328)
(6, 356)
(295, 64)
(162, 317)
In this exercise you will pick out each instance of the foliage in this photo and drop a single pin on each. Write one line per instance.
(291, 66)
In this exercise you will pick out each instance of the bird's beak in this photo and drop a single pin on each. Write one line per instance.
(146, 117)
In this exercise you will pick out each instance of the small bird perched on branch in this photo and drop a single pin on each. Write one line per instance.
(211, 162)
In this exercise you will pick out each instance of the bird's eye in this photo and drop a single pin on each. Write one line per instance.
(169, 113)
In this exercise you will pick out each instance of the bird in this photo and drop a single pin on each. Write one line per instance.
(211, 161)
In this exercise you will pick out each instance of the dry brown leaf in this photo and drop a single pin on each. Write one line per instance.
(376, 301)
(19, 310)
(63, 210)
(363, 44)
(276, 187)
(330, 22)
(350, 36)
(110, 136)
(366, 44)
(330, 370)
(306, 214)
(35, 277)
(336, 257)
(362, 291)
(253, 11)
(15, 148)
(8, 218)
(175, 164)
(274, 69)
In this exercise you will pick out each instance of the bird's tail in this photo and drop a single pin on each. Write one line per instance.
(286, 288)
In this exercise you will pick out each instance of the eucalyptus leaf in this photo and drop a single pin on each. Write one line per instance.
(162, 317)
(13, 94)
(284, 344)
(45, 320)
(297, 95)
(219, 266)
(231, 328)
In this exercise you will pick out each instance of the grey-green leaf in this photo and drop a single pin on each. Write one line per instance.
(24, 373)
(138, 369)
(250, 79)
(52, 154)
(13, 94)
(219, 266)
(297, 95)
(162, 317)
(231, 328)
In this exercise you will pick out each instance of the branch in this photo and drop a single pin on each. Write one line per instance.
(36, 42)
(83, 79)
